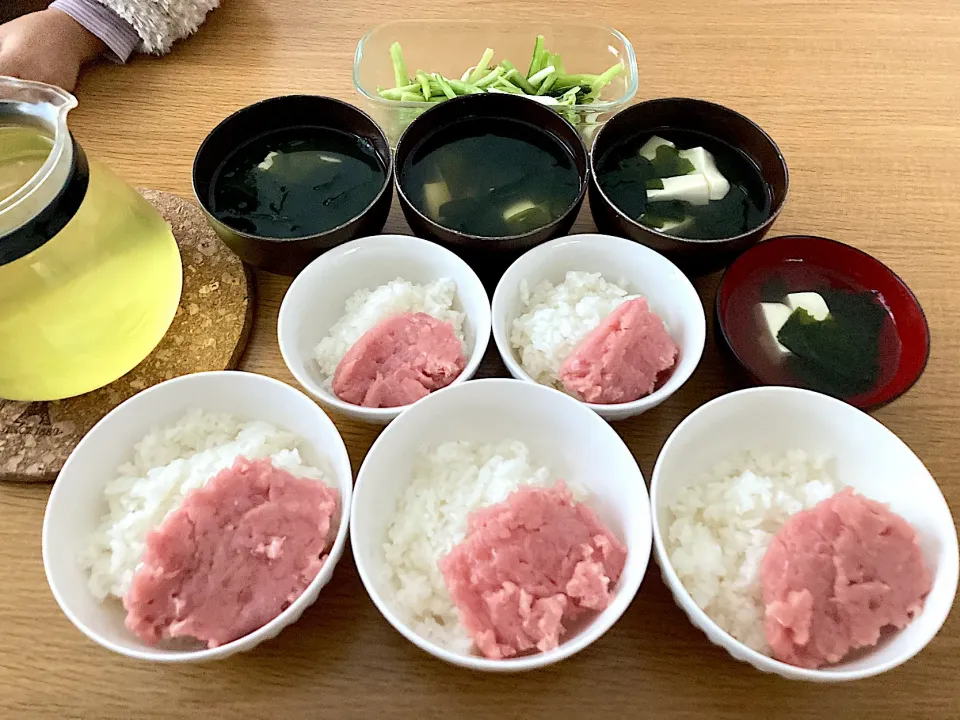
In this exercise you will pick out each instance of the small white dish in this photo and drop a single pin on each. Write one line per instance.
(866, 456)
(76, 502)
(316, 298)
(635, 267)
(576, 445)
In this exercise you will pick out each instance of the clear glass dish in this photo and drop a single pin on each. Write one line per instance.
(449, 47)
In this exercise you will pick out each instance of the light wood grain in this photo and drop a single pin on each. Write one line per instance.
(863, 99)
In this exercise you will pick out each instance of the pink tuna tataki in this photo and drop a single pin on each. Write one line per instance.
(621, 359)
(233, 556)
(528, 567)
(399, 361)
(838, 574)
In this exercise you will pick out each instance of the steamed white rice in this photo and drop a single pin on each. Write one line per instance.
(367, 308)
(167, 464)
(447, 483)
(555, 318)
(722, 527)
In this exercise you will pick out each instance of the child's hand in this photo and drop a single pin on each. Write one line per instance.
(49, 46)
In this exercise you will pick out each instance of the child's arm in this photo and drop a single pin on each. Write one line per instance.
(49, 46)
(52, 45)
(157, 24)
(116, 33)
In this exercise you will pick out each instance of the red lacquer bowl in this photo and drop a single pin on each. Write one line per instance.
(802, 262)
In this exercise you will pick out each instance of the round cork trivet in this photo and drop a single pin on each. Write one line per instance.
(209, 332)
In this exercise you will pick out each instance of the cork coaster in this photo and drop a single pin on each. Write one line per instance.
(209, 332)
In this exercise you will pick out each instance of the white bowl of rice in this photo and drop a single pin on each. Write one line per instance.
(133, 469)
(737, 468)
(467, 447)
(554, 295)
(350, 289)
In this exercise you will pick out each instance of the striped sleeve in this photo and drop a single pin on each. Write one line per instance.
(116, 33)
(160, 23)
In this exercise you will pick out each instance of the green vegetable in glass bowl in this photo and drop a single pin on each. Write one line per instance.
(545, 80)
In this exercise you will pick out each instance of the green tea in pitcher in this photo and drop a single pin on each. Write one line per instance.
(23, 150)
(90, 273)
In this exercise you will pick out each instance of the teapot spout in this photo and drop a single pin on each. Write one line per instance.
(37, 93)
(62, 100)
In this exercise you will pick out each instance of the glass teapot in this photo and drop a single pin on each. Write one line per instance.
(90, 274)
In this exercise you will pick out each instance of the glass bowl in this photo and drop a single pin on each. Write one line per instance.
(449, 47)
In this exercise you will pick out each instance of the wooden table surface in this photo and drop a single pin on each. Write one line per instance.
(863, 99)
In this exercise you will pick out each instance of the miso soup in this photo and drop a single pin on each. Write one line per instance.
(634, 173)
(296, 182)
(843, 342)
(491, 178)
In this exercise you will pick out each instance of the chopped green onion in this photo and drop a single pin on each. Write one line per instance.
(556, 61)
(444, 86)
(518, 78)
(584, 80)
(539, 59)
(541, 75)
(604, 78)
(505, 84)
(424, 81)
(490, 77)
(411, 97)
(462, 88)
(547, 83)
(481, 68)
(395, 93)
(399, 65)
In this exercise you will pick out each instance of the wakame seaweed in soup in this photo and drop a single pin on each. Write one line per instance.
(491, 177)
(809, 326)
(633, 173)
(840, 355)
(296, 182)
